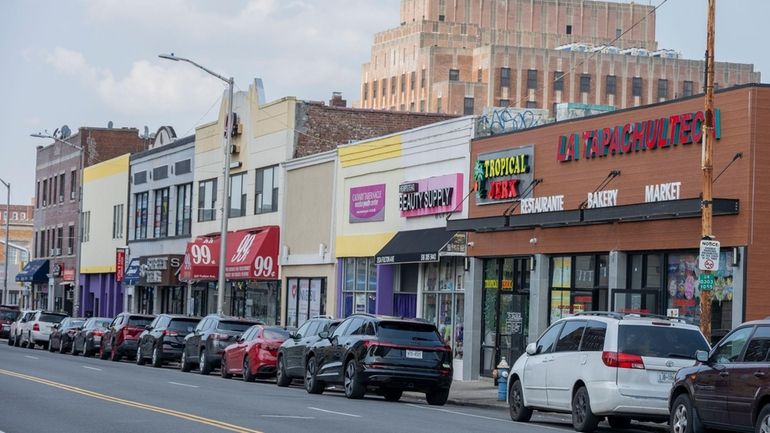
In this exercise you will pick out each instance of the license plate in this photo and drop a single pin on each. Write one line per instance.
(666, 377)
(414, 354)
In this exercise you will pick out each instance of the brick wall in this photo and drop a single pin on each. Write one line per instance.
(321, 128)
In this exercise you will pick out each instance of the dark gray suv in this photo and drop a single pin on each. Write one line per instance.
(205, 345)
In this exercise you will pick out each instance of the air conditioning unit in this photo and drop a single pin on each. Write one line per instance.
(69, 250)
(44, 203)
(57, 251)
(235, 149)
(51, 252)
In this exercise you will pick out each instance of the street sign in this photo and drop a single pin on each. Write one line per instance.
(709, 255)
(706, 282)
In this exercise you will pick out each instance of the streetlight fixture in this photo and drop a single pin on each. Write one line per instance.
(76, 295)
(225, 175)
(7, 186)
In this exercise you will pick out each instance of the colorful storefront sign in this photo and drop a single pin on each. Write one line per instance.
(252, 254)
(434, 195)
(367, 203)
(502, 176)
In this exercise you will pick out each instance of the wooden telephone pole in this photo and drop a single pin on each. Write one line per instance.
(707, 153)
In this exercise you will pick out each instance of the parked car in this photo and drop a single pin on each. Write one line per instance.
(254, 354)
(293, 351)
(15, 338)
(205, 345)
(163, 339)
(596, 365)
(122, 336)
(730, 387)
(89, 337)
(37, 329)
(63, 333)
(384, 354)
(8, 315)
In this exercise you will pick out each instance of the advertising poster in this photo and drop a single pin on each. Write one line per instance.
(367, 203)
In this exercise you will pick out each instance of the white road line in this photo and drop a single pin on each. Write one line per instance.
(335, 413)
(283, 416)
(91, 368)
(184, 384)
(31, 357)
(479, 416)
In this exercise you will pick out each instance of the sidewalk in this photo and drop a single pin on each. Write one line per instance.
(478, 393)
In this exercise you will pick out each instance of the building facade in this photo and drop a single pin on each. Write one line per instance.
(57, 227)
(159, 226)
(462, 56)
(103, 240)
(611, 220)
(20, 238)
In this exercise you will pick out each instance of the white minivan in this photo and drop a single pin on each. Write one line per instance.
(596, 365)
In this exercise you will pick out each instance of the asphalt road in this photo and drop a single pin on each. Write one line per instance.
(54, 393)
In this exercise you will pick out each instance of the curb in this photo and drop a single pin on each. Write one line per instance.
(499, 405)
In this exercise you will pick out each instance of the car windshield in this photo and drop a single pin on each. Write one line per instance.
(75, 323)
(139, 321)
(275, 334)
(51, 318)
(182, 325)
(408, 331)
(660, 341)
(235, 326)
(9, 315)
(102, 323)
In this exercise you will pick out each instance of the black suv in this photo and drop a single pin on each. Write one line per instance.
(730, 387)
(205, 345)
(292, 353)
(163, 339)
(385, 354)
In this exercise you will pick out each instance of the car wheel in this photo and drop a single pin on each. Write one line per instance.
(619, 422)
(583, 420)
(157, 359)
(437, 397)
(73, 350)
(16, 341)
(223, 370)
(204, 366)
(763, 420)
(184, 364)
(102, 354)
(30, 342)
(49, 346)
(281, 378)
(86, 352)
(683, 416)
(115, 355)
(312, 384)
(10, 340)
(392, 394)
(516, 408)
(139, 359)
(353, 387)
(61, 346)
(248, 376)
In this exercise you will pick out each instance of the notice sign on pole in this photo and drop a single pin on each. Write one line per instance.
(709, 255)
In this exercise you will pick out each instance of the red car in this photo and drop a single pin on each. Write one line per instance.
(254, 353)
(121, 337)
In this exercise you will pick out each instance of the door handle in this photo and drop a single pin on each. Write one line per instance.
(724, 373)
(759, 374)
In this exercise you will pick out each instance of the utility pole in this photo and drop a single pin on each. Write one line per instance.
(7, 185)
(707, 153)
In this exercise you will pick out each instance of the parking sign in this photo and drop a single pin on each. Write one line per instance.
(709, 255)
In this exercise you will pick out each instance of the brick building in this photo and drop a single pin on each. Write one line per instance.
(57, 183)
(20, 237)
(460, 56)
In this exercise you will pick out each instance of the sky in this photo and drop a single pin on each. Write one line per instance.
(88, 62)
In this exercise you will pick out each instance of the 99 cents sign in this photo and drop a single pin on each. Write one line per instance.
(201, 254)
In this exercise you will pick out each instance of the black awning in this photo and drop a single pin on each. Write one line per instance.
(414, 246)
(672, 209)
(483, 224)
(544, 219)
(34, 272)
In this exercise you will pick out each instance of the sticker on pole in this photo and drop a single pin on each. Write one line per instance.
(709, 255)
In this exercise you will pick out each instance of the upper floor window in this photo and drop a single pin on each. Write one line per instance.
(468, 106)
(454, 75)
(611, 84)
(558, 81)
(183, 209)
(237, 196)
(140, 177)
(688, 89)
(162, 210)
(532, 79)
(207, 199)
(505, 77)
(183, 167)
(266, 198)
(636, 86)
(117, 221)
(160, 173)
(662, 89)
(141, 204)
(585, 83)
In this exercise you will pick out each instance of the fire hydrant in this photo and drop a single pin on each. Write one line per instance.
(502, 380)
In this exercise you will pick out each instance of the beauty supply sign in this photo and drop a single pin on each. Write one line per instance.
(503, 176)
(431, 196)
(367, 203)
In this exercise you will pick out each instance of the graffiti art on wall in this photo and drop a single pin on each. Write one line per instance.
(496, 120)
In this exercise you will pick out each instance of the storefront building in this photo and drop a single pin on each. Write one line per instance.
(159, 225)
(603, 213)
(394, 254)
(103, 241)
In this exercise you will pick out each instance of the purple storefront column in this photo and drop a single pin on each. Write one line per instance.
(340, 296)
(384, 301)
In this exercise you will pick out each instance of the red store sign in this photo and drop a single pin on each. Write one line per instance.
(120, 264)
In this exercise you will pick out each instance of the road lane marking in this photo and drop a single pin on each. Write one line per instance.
(335, 413)
(283, 416)
(478, 416)
(157, 409)
(91, 368)
(184, 384)
(31, 357)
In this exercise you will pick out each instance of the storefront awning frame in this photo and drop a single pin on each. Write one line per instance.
(414, 246)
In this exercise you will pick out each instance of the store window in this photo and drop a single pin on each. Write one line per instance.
(360, 285)
(141, 203)
(645, 280)
(161, 213)
(306, 299)
(578, 283)
(253, 299)
(444, 300)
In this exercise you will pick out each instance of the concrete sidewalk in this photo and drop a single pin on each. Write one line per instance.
(478, 393)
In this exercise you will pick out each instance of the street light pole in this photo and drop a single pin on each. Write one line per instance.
(707, 154)
(229, 125)
(79, 231)
(7, 245)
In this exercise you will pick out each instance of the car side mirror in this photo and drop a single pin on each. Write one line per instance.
(532, 349)
(239, 340)
(148, 328)
(56, 326)
(702, 356)
(323, 335)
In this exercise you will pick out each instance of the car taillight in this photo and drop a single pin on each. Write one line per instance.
(170, 333)
(98, 333)
(71, 332)
(622, 360)
(216, 336)
(36, 327)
